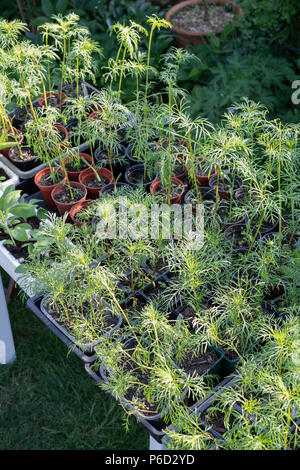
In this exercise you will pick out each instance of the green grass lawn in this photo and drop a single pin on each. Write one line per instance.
(48, 401)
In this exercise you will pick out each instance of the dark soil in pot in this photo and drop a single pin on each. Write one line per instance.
(192, 18)
(34, 221)
(227, 183)
(206, 195)
(135, 175)
(148, 410)
(100, 329)
(199, 364)
(161, 193)
(94, 183)
(46, 179)
(111, 188)
(159, 267)
(187, 312)
(18, 251)
(216, 421)
(64, 196)
(20, 116)
(118, 168)
(237, 234)
(25, 162)
(70, 166)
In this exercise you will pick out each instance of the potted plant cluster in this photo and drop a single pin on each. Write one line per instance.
(161, 325)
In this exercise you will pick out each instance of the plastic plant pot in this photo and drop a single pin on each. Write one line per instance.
(47, 190)
(156, 418)
(66, 206)
(88, 174)
(117, 168)
(234, 232)
(203, 180)
(136, 172)
(183, 37)
(223, 191)
(113, 187)
(87, 348)
(77, 208)
(156, 185)
(132, 160)
(206, 194)
(74, 175)
(24, 165)
(19, 136)
(61, 97)
(64, 131)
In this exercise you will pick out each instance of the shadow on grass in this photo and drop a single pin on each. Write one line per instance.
(47, 401)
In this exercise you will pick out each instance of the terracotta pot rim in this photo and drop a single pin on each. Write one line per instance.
(42, 172)
(175, 180)
(88, 171)
(74, 184)
(179, 6)
(76, 208)
(81, 154)
(41, 100)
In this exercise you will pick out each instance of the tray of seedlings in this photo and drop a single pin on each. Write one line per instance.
(162, 250)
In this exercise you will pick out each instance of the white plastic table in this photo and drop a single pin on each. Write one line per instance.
(7, 347)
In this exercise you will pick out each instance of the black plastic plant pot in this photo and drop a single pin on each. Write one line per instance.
(132, 160)
(154, 418)
(200, 412)
(19, 117)
(134, 175)
(113, 187)
(229, 365)
(266, 228)
(87, 348)
(133, 303)
(216, 368)
(24, 165)
(207, 194)
(154, 270)
(153, 428)
(118, 168)
(234, 232)
(34, 305)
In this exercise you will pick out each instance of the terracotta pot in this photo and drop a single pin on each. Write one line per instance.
(46, 190)
(182, 36)
(95, 114)
(41, 100)
(74, 175)
(93, 192)
(224, 193)
(77, 208)
(21, 138)
(204, 179)
(66, 206)
(156, 185)
(62, 129)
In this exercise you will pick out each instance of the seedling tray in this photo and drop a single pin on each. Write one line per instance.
(34, 305)
(9, 263)
(87, 90)
(153, 428)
